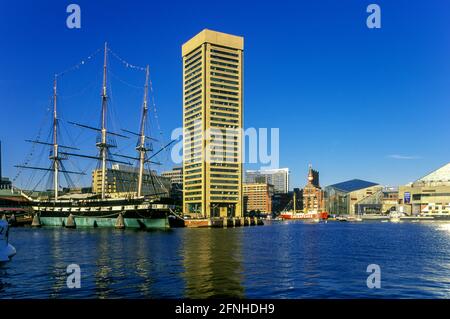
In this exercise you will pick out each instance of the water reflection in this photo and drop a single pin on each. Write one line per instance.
(103, 275)
(279, 260)
(57, 267)
(142, 267)
(212, 263)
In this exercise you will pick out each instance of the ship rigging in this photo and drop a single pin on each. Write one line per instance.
(139, 210)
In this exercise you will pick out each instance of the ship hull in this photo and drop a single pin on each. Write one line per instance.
(104, 214)
(106, 222)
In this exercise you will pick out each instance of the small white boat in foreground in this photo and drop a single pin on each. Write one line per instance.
(394, 217)
(7, 251)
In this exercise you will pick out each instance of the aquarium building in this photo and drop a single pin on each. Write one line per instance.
(429, 195)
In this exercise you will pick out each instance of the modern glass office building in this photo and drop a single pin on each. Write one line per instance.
(279, 178)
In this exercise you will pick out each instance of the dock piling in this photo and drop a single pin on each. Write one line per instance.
(70, 222)
(36, 221)
(120, 222)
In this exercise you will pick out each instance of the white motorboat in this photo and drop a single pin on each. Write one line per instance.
(394, 217)
(7, 251)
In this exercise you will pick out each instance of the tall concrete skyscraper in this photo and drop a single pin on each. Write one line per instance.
(212, 122)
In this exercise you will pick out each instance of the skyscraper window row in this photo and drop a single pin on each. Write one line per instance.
(224, 193)
(223, 103)
(219, 80)
(225, 114)
(226, 181)
(195, 68)
(216, 68)
(189, 153)
(193, 165)
(225, 109)
(193, 142)
(223, 75)
(192, 106)
(188, 76)
(194, 176)
(193, 55)
(227, 98)
(219, 198)
(188, 124)
(218, 57)
(224, 154)
(224, 165)
(192, 151)
(193, 78)
(224, 125)
(191, 158)
(227, 87)
(225, 92)
(223, 170)
(192, 193)
(188, 97)
(193, 116)
(225, 120)
(228, 65)
(223, 176)
(196, 125)
(197, 63)
(225, 53)
(193, 182)
(197, 98)
(195, 60)
(192, 111)
(219, 147)
(193, 198)
(220, 186)
(194, 83)
(192, 92)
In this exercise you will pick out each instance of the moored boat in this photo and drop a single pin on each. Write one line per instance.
(7, 251)
(304, 216)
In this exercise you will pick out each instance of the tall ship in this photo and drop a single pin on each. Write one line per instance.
(99, 207)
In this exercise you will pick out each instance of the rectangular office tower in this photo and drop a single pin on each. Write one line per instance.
(212, 122)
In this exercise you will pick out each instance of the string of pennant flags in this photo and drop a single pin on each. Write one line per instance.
(79, 64)
(125, 63)
(91, 57)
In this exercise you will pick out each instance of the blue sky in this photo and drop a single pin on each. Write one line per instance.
(352, 101)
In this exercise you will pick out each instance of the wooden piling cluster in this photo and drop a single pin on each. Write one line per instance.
(223, 222)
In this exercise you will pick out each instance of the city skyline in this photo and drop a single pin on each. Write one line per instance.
(356, 108)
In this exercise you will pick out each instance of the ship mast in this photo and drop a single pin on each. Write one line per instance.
(141, 147)
(55, 142)
(103, 145)
(295, 202)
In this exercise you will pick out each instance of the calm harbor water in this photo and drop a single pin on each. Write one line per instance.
(278, 260)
